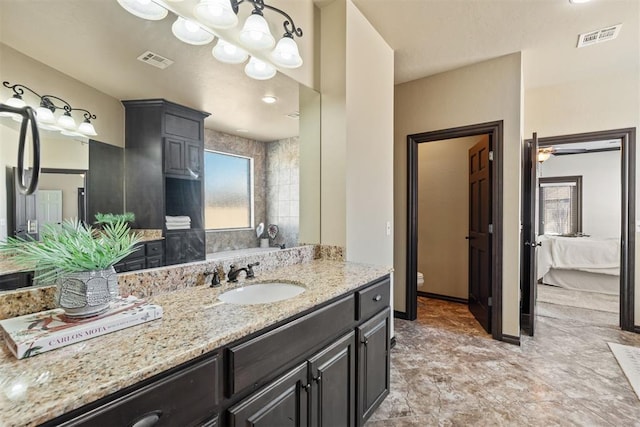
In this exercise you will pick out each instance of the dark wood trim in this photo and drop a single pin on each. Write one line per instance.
(443, 297)
(392, 342)
(627, 136)
(495, 132)
(510, 339)
(595, 150)
(400, 315)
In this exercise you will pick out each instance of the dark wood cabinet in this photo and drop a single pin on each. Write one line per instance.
(373, 364)
(333, 385)
(13, 281)
(187, 397)
(184, 246)
(149, 254)
(284, 402)
(163, 171)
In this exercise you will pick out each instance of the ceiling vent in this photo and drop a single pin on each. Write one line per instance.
(294, 115)
(154, 59)
(599, 36)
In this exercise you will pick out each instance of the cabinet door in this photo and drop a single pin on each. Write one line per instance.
(373, 364)
(195, 245)
(174, 156)
(154, 261)
(333, 384)
(283, 402)
(195, 154)
(174, 247)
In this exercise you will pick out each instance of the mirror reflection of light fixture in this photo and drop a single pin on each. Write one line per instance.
(229, 53)
(259, 70)
(44, 113)
(223, 14)
(191, 32)
(544, 154)
(145, 9)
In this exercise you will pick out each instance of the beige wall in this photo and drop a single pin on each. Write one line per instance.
(333, 124)
(608, 102)
(478, 93)
(443, 215)
(310, 102)
(369, 156)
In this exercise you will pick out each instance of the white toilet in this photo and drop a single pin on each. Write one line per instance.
(420, 280)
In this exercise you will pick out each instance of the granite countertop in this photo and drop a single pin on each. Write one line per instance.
(195, 322)
(8, 266)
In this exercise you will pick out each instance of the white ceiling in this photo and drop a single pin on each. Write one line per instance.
(96, 42)
(432, 36)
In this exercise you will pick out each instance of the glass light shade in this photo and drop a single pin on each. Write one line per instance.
(16, 102)
(49, 127)
(87, 128)
(190, 32)
(44, 116)
(255, 33)
(543, 155)
(259, 70)
(229, 53)
(145, 9)
(66, 122)
(71, 133)
(286, 53)
(217, 13)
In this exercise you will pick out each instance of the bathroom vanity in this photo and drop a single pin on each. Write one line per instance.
(320, 358)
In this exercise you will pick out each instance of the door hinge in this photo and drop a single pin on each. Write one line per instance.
(490, 156)
(490, 302)
(490, 228)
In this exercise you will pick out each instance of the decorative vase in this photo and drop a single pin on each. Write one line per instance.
(86, 293)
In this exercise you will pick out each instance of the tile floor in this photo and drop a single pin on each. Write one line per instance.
(447, 371)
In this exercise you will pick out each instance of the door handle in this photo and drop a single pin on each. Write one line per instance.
(469, 237)
(533, 244)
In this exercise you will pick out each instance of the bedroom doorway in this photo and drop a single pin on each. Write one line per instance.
(578, 221)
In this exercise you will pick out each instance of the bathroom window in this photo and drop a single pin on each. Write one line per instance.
(228, 186)
(561, 205)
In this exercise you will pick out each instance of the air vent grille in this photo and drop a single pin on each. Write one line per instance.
(154, 59)
(599, 36)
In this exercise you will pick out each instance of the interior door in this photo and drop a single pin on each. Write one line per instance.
(479, 236)
(49, 207)
(529, 235)
(23, 220)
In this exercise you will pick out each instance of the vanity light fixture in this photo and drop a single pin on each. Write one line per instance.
(544, 154)
(45, 118)
(223, 14)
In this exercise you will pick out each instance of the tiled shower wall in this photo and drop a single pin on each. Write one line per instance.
(283, 189)
(240, 239)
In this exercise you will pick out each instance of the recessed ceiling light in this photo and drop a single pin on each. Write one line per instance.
(579, 1)
(269, 99)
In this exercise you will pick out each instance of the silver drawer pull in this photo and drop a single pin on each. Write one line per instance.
(377, 297)
(147, 420)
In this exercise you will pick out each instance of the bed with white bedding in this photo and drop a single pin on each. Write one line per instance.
(580, 263)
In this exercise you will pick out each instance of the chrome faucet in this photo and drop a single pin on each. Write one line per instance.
(233, 273)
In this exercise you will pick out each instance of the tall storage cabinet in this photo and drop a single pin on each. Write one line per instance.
(163, 172)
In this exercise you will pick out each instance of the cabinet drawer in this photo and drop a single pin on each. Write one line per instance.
(373, 299)
(268, 353)
(184, 398)
(154, 261)
(154, 248)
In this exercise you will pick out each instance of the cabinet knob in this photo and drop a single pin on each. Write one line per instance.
(377, 297)
(147, 420)
(365, 341)
(318, 378)
(306, 387)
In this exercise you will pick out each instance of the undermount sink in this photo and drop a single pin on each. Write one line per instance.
(261, 293)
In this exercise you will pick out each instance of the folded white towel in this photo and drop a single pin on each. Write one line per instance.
(179, 223)
(178, 227)
(172, 219)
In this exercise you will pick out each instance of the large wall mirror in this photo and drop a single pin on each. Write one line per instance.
(110, 43)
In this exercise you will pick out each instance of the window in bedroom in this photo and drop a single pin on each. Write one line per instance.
(561, 205)
(228, 188)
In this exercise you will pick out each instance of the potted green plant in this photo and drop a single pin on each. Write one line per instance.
(78, 259)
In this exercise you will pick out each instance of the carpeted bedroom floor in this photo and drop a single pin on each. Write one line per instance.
(568, 297)
(447, 371)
